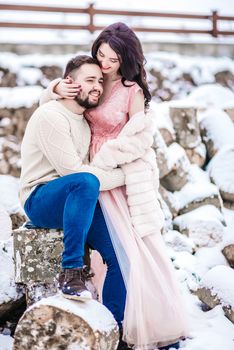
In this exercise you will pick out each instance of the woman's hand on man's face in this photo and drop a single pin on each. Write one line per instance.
(66, 88)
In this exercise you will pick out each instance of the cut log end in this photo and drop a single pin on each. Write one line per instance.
(49, 327)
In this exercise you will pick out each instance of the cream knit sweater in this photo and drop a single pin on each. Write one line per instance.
(56, 143)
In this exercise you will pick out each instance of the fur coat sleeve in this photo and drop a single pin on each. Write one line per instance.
(132, 151)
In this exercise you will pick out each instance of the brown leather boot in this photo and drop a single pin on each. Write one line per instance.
(72, 284)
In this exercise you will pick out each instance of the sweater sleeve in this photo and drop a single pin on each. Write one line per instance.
(55, 141)
(48, 93)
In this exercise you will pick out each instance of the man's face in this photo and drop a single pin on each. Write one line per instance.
(89, 76)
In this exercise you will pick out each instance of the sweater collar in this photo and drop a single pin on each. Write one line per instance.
(70, 113)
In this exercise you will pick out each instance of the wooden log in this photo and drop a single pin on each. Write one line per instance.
(186, 126)
(37, 256)
(57, 323)
(204, 225)
(211, 123)
(214, 200)
(197, 192)
(17, 219)
(213, 292)
(230, 112)
(161, 150)
(179, 166)
(197, 155)
(221, 169)
(168, 136)
(11, 295)
(170, 200)
(160, 113)
(228, 252)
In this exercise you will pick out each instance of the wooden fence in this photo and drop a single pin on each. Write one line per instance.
(213, 18)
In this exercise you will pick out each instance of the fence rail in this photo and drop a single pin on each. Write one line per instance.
(213, 18)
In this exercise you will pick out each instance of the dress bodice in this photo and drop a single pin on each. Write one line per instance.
(107, 119)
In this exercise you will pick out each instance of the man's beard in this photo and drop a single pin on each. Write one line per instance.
(85, 102)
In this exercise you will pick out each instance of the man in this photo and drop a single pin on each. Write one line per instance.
(59, 189)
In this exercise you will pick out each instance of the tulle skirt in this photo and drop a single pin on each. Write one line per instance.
(155, 314)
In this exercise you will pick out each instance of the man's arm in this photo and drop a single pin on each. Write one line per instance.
(55, 141)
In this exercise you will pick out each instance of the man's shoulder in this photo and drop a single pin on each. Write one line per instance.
(49, 110)
(51, 106)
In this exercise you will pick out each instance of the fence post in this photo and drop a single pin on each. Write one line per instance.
(214, 19)
(91, 12)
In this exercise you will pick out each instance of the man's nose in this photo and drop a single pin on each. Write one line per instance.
(97, 86)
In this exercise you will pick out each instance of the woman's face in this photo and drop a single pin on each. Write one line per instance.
(108, 59)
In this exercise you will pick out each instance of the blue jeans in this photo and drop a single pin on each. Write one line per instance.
(71, 203)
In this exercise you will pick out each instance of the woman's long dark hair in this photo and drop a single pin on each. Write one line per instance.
(128, 48)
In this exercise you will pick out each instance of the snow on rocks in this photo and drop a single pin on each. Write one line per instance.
(203, 225)
(221, 170)
(217, 130)
(216, 287)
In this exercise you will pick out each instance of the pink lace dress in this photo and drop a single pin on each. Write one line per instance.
(154, 312)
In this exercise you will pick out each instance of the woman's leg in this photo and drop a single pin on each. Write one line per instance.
(114, 291)
(68, 203)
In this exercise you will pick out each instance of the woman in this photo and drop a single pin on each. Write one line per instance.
(154, 315)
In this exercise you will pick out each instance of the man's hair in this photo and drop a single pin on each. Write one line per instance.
(77, 62)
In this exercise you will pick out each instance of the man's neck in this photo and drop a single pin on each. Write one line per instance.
(72, 106)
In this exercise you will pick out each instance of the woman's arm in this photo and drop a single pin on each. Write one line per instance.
(60, 88)
(137, 104)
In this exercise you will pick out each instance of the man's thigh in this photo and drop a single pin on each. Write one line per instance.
(45, 206)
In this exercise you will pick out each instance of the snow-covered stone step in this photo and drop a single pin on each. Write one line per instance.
(58, 323)
(216, 287)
